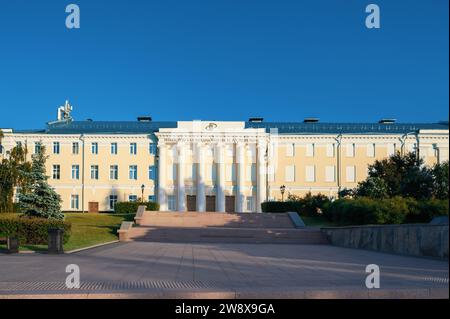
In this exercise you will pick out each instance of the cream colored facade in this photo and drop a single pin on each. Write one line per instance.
(212, 165)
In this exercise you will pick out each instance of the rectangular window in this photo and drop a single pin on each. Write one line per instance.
(75, 148)
(94, 148)
(171, 201)
(152, 172)
(249, 204)
(56, 148)
(133, 148)
(1, 149)
(152, 148)
(113, 148)
(351, 174)
(310, 173)
(371, 150)
(112, 201)
(74, 202)
(391, 149)
(290, 149)
(290, 173)
(56, 172)
(114, 172)
(75, 171)
(330, 174)
(94, 171)
(310, 150)
(151, 198)
(133, 172)
(350, 150)
(330, 150)
(132, 198)
(37, 148)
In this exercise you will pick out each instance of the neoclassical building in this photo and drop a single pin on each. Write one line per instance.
(215, 165)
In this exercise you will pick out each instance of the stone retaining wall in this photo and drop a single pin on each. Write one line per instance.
(422, 240)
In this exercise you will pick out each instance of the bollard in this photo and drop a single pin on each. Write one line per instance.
(12, 245)
(55, 241)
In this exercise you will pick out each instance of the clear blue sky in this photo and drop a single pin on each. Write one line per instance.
(224, 59)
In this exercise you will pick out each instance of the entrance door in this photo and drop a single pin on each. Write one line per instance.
(210, 203)
(191, 201)
(229, 204)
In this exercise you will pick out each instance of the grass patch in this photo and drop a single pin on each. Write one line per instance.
(317, 221)
(87, 230)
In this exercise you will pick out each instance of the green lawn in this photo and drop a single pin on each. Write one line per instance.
(87, 230)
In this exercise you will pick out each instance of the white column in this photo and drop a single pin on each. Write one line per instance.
(240, 159)
(162, 171)
(201, 195)
(220, 189)
(180, 178)
(261, 176)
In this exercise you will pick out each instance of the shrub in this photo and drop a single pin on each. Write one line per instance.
(424, 211)
(310, 205)
(32, 230)
(276, 207)
(132, 207)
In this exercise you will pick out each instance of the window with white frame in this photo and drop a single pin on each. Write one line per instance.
(112, 201)
(56, 172)
(94, 172)
(330, 174)
(151, 198)
(1, 149)
(114, 172)
(310, 150)
(132, 198)
(133, 172)
(290, 173)
(350, 174)
(152, 172)
(37, 148)
(94, 148)
(172, 202)
(133, 148)
(350, 150)
(249, 204)
(152, 148)
(56, 148)
(371, 150)
(391, 148)
(113, 148)
(290, 150)
(75, 172)
(75, 148)
(74, 202)
(310, 174)
(330, 150)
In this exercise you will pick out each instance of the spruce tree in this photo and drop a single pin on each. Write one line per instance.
(40, 200)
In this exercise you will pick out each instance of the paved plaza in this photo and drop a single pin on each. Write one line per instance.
(152, 270)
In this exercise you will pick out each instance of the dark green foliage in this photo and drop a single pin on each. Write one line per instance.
(132, 207)
(32, 231)
(310, 205)
(441, 178)
(373, 187)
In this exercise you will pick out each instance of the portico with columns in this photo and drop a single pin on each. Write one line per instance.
(212, 166)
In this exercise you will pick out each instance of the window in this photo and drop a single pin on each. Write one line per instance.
(94, 171)
(290, 150)
(113, 148)
(310, 150)
(152, 198)
(152, 172)
(330, 174)
(133, 148)
(133, 172)
(112, 201)
(114, 172)
(391, 147)
(74, 202)
(75, 171)
(1, 149)
(94, 148)
(330, 150)
(249, 204)
(37, 148)
(132, 198)
(191, 171)
(350, 150)
(152, 148)
(171, 201)
(290, 173)
(56, 172)
(19, 144)
(230, 173)
(310, 173)
(75, 148)
(350, 173)
(56, 148)
(371, 150)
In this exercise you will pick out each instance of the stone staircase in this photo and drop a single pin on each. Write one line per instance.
(208, 227)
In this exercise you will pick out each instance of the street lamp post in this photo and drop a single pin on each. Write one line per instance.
(282, 190)
(142, 192)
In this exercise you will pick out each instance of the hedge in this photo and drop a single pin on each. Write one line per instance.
(32, 231)
(132, 207)
(310, 205)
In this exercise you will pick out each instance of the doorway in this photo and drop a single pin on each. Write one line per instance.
(191, 202)
(210, 203)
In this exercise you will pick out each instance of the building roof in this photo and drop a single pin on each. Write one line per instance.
(129, 127)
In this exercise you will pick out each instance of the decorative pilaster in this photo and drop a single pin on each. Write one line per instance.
(201, 195)
(180, 178)
(261, 176)
(162, 196)
(240, 159)
(220, 185)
